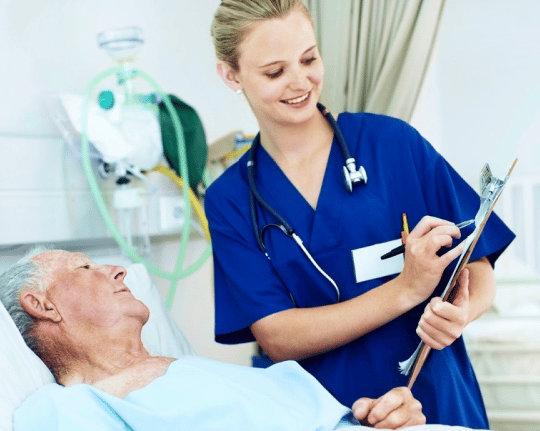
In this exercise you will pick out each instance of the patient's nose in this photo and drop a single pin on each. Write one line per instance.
(118, 273)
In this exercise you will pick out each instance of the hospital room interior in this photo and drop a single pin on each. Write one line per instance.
(62, 183)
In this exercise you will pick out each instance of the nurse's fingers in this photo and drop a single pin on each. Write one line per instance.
(443, 322)
(457, 310)
(427, 224)
(433, 338)
(450, 255)
(441, 236)
(431, 242)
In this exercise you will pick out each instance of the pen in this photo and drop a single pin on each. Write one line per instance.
(401, 248)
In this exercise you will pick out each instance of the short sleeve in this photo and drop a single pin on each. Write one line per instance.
(448, 196)
(247, 287)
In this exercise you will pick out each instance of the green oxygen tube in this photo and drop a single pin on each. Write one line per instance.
(179, 272)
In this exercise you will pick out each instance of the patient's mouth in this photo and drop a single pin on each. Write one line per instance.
(123, 289)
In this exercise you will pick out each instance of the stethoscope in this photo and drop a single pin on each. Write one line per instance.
(351, 176)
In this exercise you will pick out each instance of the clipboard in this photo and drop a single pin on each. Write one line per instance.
(491, 188)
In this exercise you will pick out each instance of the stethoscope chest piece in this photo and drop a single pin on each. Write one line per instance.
(353, 176)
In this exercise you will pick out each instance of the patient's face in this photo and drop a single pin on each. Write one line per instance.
(90, 295)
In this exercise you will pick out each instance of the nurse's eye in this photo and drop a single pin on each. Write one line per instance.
(274, 75)
(85, 266)
(309, 60)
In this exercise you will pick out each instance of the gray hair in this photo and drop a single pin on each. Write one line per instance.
(26, 273)
(234, 19)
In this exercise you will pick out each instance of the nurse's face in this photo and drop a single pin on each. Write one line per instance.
(280, 70)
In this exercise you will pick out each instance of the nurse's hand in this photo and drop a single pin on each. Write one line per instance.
(394, 410)
(423, 266)
(443, 322)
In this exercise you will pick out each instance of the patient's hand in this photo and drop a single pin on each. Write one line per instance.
(394, 410)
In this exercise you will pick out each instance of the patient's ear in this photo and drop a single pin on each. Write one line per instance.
(228, 75)
(37, 305)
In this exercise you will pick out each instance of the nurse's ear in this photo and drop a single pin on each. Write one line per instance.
(228, 75)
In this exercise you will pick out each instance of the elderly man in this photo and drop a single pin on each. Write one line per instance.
(84, 323)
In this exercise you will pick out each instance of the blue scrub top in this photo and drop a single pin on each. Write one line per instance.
(406, 175)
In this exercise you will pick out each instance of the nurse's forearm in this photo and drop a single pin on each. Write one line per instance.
(300, 333)
(304, 332)
(481, 287)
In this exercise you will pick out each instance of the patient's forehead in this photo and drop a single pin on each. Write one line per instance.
(58, 261)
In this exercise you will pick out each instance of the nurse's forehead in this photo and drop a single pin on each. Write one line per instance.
(293, 33)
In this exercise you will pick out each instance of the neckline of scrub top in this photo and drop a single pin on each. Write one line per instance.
(311, 224)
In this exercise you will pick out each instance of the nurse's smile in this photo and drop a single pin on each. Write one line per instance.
(299, 101)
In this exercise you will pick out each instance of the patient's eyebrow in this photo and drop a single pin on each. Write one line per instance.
(281, 61)
(80, 259)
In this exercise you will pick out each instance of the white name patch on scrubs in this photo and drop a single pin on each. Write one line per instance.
(369, 265)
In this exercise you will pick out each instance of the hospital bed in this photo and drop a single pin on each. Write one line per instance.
(22, 372)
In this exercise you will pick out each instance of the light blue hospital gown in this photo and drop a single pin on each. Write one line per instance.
(195, 394)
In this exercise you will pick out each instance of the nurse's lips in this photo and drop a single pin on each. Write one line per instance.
(297, 99)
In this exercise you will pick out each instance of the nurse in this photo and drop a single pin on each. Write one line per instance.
(266, 49)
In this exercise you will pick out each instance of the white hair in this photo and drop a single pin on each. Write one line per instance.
(26, 273)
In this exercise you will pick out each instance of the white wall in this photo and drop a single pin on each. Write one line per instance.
(481, 102)
(51, 46)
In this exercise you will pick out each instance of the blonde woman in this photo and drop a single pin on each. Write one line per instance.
(297, 251)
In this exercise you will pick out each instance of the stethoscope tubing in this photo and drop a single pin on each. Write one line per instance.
(284, 226)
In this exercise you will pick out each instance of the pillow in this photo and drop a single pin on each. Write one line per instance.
(160, 335)
(22, 372)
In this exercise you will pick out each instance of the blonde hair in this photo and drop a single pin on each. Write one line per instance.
(234, 19)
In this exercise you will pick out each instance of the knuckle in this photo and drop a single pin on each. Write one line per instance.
(420, 419)
(393, 397)
(455, 333)
(403, 391)
(375, 416)
(429, 318)
(414, 248)
(438, 346)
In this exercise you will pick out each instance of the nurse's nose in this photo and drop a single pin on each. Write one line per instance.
(299, 79)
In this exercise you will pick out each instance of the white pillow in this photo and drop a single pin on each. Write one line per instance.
(160, 335)
(22, 372)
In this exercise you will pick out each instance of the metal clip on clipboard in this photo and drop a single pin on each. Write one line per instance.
(491, 188)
